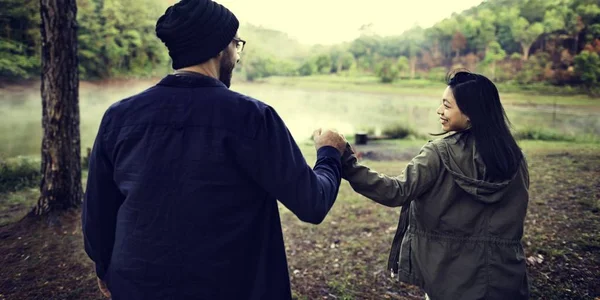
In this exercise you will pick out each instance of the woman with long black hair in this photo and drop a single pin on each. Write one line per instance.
(464, 200)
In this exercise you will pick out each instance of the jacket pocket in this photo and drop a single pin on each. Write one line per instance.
(404, 263)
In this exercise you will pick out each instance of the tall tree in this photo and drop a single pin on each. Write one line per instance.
(403, 65)
(364, 48)
(445, 31)
(494, 54)
(346, 60)
(574, 26)
(61, 151)
(412, 45)
(526, 33)
(459, 42)
(589, 11)
(487, 30)
(324, 63)
(470, 27)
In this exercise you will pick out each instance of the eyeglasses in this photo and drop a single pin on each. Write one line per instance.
(239, 44)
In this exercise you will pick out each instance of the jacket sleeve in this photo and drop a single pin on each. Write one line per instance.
(278, 166)
(418, 176)
(100, 206)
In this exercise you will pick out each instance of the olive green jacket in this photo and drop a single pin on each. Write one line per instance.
(459, 235)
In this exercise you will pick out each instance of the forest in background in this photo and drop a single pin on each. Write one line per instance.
(517, 41)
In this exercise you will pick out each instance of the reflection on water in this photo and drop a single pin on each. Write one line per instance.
(302, 110)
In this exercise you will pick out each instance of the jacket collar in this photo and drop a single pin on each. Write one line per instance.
(190, 80)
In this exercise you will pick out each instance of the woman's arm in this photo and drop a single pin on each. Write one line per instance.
(418, 176)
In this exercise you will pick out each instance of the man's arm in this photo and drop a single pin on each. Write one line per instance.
(278, 166)
(100, 207)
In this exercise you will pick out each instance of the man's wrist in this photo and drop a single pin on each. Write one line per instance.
(328, 151)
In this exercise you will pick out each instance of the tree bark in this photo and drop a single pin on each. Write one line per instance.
(526, 48)
(60, 186)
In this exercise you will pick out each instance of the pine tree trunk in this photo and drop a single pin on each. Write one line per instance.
(61, 151)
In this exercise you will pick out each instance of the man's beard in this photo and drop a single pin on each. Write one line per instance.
(226, 69)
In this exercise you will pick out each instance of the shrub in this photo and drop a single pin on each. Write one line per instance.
(542, 134)
(19, 173)
(398, 131)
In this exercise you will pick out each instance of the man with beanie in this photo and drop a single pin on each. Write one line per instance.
(184, 178)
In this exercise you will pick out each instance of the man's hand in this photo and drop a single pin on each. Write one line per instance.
(103, 288)
(329, 138)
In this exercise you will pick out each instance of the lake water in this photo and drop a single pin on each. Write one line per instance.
(303, 111)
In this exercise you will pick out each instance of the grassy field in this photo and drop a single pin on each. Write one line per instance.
(345, 256)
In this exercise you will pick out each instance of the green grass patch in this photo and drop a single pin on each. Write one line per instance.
(19, 173)
(547, 134)
(15, 205)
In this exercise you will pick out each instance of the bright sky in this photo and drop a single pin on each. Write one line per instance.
(334, 21)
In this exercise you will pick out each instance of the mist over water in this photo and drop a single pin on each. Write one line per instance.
(303, 111)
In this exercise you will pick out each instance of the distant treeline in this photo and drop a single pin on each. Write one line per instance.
(521, 41)
(116, 38)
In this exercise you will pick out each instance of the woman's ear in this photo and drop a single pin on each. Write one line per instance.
(466, 117)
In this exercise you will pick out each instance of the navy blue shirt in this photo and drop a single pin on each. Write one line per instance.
(181, 198)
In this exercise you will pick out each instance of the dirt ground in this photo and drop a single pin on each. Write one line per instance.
(345, 257)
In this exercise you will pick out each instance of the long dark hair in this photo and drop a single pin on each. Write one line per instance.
(478, 98)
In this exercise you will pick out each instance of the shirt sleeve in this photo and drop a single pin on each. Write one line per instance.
(418, 176)
(100, 207)
(278, 166)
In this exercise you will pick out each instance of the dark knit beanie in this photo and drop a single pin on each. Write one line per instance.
(195, 31)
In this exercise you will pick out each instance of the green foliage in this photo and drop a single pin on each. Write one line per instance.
(345, 61)
(19, 39)
(323, 63)
(273, 43)
(495, 53)
(525, 33)
(308, 68)
(437, 74)
(533, 69)
(403, 64)
(398, 131)
(587, 65)
(387, 71)
(256, 65)
(117, 39)
(516, 56)
(500, 35)
(14, 61)
(554, 19)
(547, 134)
(19, 173)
